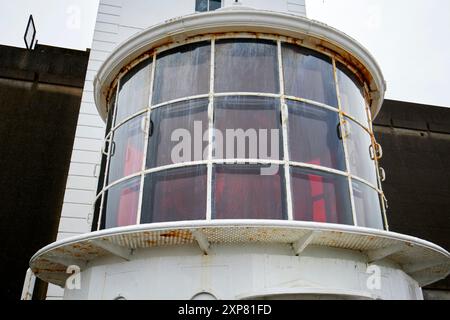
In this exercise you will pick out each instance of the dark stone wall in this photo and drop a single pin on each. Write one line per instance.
(416, 144)
(40, 94)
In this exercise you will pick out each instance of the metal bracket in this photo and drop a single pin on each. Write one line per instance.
(303, 242)
(66, 261)
(284, 114)
(413, 268)
(114, 249)
(201, 239)
(382, 174)
(375, 151)
(106, 141)
(380, 254)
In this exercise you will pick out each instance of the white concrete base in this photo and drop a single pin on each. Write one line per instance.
(244, 271)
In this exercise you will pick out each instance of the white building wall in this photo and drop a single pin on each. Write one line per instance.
(117, 20)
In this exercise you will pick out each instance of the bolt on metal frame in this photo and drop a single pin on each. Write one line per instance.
(286, 163)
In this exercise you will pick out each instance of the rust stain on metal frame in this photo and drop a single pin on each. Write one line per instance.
(178, 234)
(320, 45)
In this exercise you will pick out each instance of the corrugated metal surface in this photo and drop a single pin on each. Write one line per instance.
(426, 261)
(153, 239)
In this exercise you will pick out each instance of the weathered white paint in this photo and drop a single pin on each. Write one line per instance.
(334, 261)
(239, 272)
(118, 20)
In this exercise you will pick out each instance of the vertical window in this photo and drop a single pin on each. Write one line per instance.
(207, 5)
(120, 205)
(242, 192)
(178, 128)
(246, 65)
(182, 72)
(127, 149)
(309, 75)
(250, 126)
(134, 91)
(352, 95)
(367, 206)
(359, 142)
(320, 197)
(102, 175)
(314, 136)
(175, 195)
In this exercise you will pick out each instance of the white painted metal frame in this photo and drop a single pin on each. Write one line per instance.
(210, 161)
(146, 133)
(211, 134)
(284, 124)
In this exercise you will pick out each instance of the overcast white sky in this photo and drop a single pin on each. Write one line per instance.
(409, 38)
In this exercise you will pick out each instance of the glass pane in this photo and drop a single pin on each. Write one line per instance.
(182, 72)
(215, 4)
(314, 136)
(250, 128)
(359, 142)
(243, 192)
(367, 206)
(134, 91)
(320, 197)
(246, 65)
(121, 202)
(309, 75)
(175, 195)
(177, 134)
(351, 95)
(201, 5)
(127, 150)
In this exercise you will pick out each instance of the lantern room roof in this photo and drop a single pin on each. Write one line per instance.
(178, 31)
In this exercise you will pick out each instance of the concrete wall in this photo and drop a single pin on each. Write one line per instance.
(40, 93)
(416, 145)
(236, 271)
